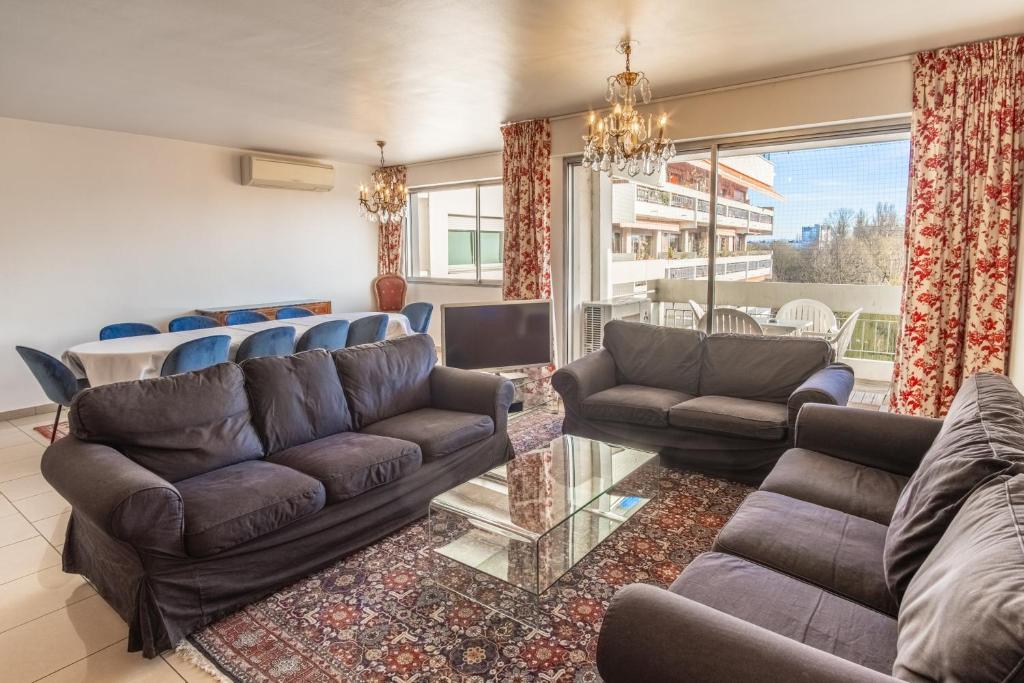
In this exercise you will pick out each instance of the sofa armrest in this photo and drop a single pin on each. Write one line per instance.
(472, 392)
(895, 443)
(584, 377)
(832, 385)
(117, 495)
(651, 634)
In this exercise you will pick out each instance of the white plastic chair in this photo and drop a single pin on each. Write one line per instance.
(731, 320)
(842, 339)
(823, 320)
(698, 311)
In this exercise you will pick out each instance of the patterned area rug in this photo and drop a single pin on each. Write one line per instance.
(383, 614)
(63, 429)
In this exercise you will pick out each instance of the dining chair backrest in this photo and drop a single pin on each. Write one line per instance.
(277, 341)
(822, 319)
(731, 320)
(242, 317)
(330, 335)
(369, 329)
(419, 314)
(389, 292)
(698, 310)
(119, 330)
(192, 322)
(197, 354)
(56, 379)
(845, 334)
(289, 312)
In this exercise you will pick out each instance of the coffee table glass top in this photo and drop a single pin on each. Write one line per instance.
(529, 521)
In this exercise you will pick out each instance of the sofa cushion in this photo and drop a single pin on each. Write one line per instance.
(791, 608)
(176, 427)
(839, 484)
(836, 551)
(654, 356)
(962, 617)
(387, 378)
(236, 504)
(351, 463)
(733, 416)
(296, 399)
(981, 437)
(634, 404)
(759, 368)
(437, 432)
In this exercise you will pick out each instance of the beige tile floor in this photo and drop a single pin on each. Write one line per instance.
(53, 626)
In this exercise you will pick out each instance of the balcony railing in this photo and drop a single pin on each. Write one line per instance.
(630, 201)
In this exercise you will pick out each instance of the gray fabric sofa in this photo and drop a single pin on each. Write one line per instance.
(195, 494)
(722, 404)
(881, 548)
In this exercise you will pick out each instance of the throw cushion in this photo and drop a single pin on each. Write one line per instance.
(759, 368)
(351, 463)
(633, 404)
(387, 378)
(236, 504)
(981, 437)
(655, 356)
(732, 416)
(296, 399)
(437, 432)
(176, 427)
(962, 617)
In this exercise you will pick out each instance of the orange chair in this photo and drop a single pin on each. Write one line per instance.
(389, 291)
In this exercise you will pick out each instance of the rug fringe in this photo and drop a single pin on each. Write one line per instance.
(190, 654)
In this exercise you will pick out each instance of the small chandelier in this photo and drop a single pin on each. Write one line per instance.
(387, 200)
(623, 139)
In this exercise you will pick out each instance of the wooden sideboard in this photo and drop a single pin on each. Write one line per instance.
(318, 306)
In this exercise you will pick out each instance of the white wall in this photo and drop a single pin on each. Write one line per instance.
(100, 227)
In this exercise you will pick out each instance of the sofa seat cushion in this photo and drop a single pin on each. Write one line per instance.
(962, 615)
(633, 404)
(351, 463)
(437, 432)
(732, 416)
(791, 608)
(834, 483)
(834, 550)
(235, 504)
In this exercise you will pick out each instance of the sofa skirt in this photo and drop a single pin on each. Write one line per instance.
(164, 598)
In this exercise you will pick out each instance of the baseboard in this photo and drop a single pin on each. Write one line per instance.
(28, 412)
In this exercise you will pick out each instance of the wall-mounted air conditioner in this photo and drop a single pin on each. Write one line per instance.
(289, 174)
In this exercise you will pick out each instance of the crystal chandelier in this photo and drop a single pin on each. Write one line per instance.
(623, 139)
(387, 200)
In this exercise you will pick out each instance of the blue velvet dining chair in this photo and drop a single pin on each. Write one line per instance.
(372, 328)
(192, 322)
(119, 330)
(242, 317)
(58, 382)
(293, 312)
(196, 355)
(277, 341)
(419, 315)
(330, 335)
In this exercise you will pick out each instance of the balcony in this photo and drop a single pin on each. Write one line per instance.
(754, 265)
(632, 203)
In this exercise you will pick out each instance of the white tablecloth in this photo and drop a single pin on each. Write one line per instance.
(131, 358)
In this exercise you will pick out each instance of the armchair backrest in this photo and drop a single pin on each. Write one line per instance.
(759, 368)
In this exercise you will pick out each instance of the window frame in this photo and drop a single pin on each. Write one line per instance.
(407, 240)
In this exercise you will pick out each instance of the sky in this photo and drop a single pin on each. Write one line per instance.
(817, 181)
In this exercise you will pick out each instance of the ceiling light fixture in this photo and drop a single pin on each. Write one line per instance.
(387, 200)
(623, 139)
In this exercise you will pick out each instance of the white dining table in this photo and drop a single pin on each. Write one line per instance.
(132, 358)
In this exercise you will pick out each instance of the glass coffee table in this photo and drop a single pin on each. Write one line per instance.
(529, 521)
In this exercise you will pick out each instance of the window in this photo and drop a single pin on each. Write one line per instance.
(456, 234)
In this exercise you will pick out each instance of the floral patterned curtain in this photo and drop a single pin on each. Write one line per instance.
(389, 241)
(967, 148)
(526, 171)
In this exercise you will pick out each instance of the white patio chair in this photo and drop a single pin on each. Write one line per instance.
(698, 311)
(823, 320)
(731, 320)
(842, 339)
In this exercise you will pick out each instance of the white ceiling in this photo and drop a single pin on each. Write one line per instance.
(433, 77)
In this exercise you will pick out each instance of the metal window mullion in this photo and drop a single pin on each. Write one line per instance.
(712, 236)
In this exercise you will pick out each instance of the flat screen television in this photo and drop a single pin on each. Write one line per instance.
(496, 335)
